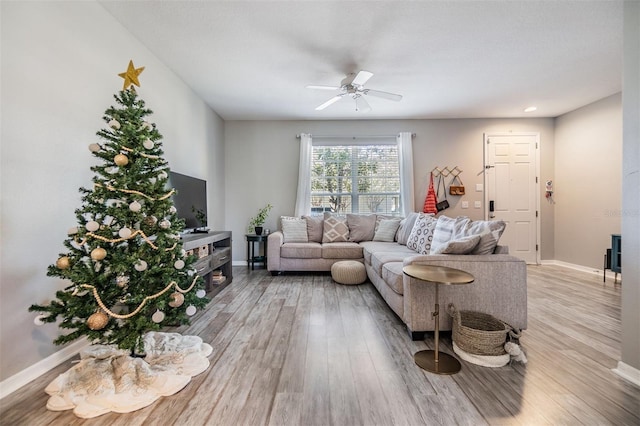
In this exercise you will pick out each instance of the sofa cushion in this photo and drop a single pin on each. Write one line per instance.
(375, 246)
(406, 225)
(341, 250)
(315, 227)
(361, 227)
(309, 250)
(421, 236)
(386, 230)
(392, 275)
(446, 228)
(294, 229)
(379, 259)
(335, 229)
(489, 231)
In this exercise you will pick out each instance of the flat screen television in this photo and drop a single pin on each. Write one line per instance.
(190, 200)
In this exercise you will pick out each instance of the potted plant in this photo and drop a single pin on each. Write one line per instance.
(257, 221)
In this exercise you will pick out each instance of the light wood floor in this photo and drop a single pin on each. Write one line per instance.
(301, 350)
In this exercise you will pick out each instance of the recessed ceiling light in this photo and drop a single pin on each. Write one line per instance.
(530, 109)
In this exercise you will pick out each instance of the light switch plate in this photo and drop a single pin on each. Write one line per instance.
(477, 204)
(479, 187)
(465, 204)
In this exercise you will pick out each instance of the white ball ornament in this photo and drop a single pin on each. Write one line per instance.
(94, 147)
(72, 231)
(157, 317)
(162, 175)
(178, 264)
(114, 124)
(191, 310)
(148, 144)
(173, 210)
(135, 207)
(165, 224)
(140, 265)
(39, 320)
(92, 226)
(124, 232)
(201, 293)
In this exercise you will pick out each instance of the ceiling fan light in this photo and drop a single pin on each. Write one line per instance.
(531, 108)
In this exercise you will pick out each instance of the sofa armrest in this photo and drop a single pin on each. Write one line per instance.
(274, 242)
(499, 289)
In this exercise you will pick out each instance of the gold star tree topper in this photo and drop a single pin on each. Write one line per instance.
(131, 76)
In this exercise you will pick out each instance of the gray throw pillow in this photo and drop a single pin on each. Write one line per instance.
(361, 227)
(489, 231)
(406, 225)
(315, 228)
(387, 230)
(464, 245)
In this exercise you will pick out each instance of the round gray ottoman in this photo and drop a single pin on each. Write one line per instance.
(348, 272)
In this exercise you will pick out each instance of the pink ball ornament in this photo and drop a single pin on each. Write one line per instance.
(140, 265)
(191, 310)
(135, 207)
(94, 147)
(114, 124)
(157, 317)
(178, 264)
(148, 144)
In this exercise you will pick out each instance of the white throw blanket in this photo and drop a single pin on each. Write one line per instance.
(108, 379)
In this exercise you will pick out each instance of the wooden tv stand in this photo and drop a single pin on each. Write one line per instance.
(214, 249)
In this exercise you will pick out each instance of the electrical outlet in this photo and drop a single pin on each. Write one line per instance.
(465, 204)
(477, 204)
(479, 187)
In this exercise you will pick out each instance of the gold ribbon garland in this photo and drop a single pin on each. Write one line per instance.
(142, 154)
(144, 301)
(132, 191)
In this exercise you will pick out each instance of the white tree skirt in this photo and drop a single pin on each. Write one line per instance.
(108, 379)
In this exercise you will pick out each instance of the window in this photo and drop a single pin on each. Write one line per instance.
(359, 178)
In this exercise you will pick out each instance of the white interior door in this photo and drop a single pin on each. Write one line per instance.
(512, 188)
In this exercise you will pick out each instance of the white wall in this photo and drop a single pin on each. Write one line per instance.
(60, 62)
(588, 181)
(631, 194)
(265, 157)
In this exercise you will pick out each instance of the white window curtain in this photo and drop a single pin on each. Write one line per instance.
(303, 198)
(405, 154)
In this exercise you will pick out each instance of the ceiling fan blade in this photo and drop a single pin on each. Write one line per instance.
(322, 87)
(384, 95)
(329, 102)
(361, 104)
(361, 78)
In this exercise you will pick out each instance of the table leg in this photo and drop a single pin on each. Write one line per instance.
(432, 360)
(248, 258)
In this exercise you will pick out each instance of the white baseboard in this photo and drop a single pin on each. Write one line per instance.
(580, 268)
(239, 263)
(628, 373)
(25, 376)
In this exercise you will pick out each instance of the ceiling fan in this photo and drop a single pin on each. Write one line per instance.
(353, 86)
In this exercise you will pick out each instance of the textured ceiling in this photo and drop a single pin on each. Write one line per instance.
(449, 59)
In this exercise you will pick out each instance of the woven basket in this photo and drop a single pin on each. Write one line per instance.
(479, 333)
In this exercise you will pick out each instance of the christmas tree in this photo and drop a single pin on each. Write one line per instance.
(125, 260)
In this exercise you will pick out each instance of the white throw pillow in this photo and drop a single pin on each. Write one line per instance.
(446, 228)
(421, 236)
(294, 229)
(489, 231)
(387, 230)
(406, 225)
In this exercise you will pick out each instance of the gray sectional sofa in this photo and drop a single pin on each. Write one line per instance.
(499, 289)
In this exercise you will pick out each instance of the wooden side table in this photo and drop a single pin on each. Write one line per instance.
(432, 360)
(252, 258)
